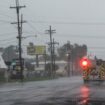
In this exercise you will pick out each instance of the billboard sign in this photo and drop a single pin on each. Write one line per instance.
(36, 50)
(31, 50)
(40, 50)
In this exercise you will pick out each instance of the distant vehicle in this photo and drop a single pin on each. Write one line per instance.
(93, 70)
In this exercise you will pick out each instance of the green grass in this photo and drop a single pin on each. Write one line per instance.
(38, 79)
(2, 79)
(30, 79)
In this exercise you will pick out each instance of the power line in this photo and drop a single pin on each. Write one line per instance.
(33, 27)
(4, 21)
(27, 32)
(2, 14)
(72, 23)
(80, 36)
(3, 34)
(62, 35)
(8, 39)
(9, 42)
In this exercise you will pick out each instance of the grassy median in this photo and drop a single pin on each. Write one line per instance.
(28, 79)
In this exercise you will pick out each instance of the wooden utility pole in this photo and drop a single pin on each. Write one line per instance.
(50, 32)
(53, 54)
(54, 43)
(19, 24)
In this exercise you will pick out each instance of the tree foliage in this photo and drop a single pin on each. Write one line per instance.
(48, 67)
(75, 51)
(10, 53)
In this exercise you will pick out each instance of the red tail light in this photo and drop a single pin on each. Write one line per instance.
(84, 63)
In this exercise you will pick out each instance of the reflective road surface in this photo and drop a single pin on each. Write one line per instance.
(62, 91)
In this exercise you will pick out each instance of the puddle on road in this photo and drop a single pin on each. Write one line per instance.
(64, 102)
(83, 99)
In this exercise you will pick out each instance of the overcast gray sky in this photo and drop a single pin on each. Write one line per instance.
(79, 21)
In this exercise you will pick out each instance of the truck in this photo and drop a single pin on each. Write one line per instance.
(93, 69)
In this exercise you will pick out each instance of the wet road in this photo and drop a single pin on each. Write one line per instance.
(63, 91)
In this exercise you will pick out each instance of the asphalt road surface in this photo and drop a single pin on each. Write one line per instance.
(62, 91)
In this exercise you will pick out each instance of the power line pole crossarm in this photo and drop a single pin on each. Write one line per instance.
(19, 24)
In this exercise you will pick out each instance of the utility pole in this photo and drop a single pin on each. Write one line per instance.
(50, 32)
(68, 60)
(53, 54)
(54, 43)
(19, 24)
